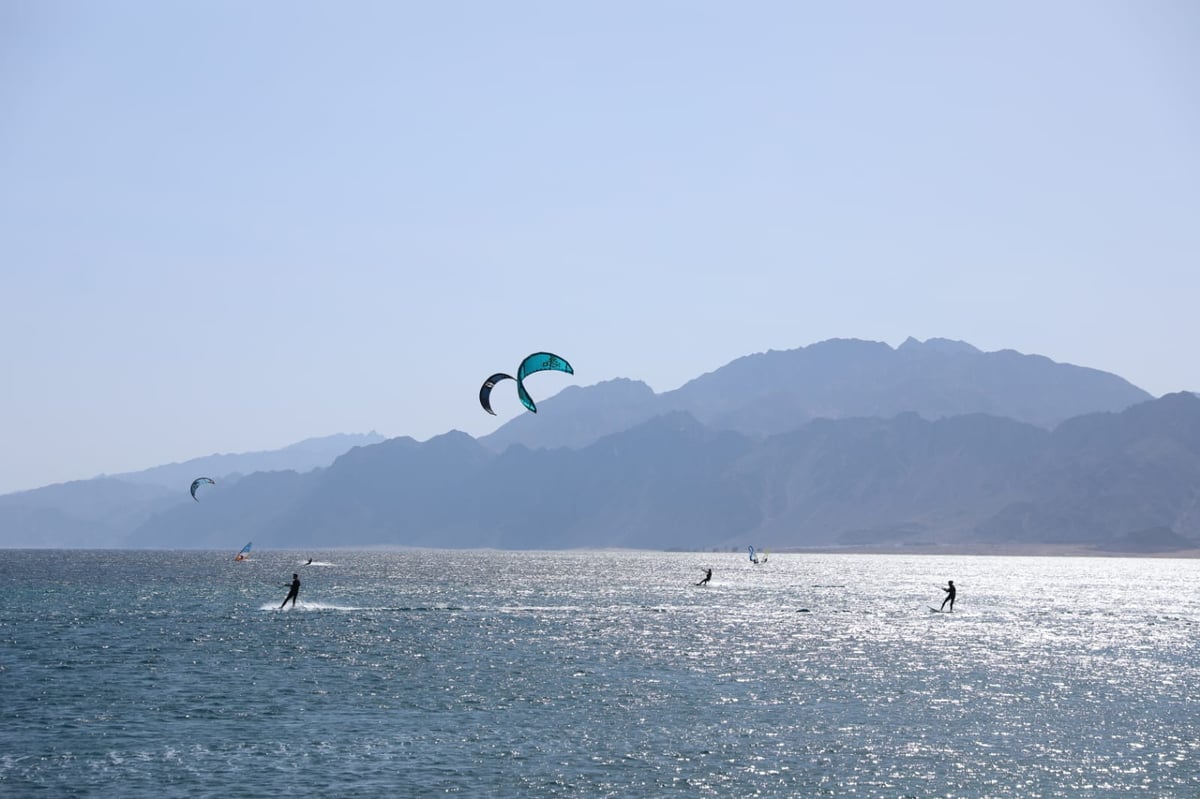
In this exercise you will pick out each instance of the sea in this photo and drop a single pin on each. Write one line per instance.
(421, 673)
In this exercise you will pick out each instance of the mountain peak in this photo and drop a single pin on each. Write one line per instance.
(938, 345)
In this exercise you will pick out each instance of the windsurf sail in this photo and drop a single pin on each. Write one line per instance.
(244, 554)
(752, 558)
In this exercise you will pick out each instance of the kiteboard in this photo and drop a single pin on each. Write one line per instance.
(935, 610)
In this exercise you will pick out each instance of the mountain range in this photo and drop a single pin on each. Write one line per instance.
(777, 391)
(100, 512)
(843, 443)
(311, 453)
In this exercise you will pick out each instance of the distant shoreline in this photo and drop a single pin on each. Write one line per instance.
(997, 550)
(1025, 550)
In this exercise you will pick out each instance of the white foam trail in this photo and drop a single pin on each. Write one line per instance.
(309, 606)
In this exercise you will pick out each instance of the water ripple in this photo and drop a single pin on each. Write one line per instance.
(596, 674)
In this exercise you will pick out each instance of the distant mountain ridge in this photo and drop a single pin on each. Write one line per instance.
(842, 443)
(674, 483)
(303, 456)
(101, 511)
(780, 390)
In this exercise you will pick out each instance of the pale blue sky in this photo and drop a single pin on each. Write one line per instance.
(228, 226)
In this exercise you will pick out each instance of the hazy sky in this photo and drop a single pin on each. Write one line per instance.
(231, 226)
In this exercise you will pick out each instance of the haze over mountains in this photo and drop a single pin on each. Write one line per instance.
(841, 443)
(777, 391)
(101, 512)
(312, 453)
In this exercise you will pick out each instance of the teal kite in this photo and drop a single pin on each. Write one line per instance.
(199, 481)
(538, 362)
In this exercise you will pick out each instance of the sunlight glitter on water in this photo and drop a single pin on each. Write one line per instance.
(597, 674)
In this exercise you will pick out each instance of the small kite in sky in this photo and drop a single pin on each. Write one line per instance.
(199, 481)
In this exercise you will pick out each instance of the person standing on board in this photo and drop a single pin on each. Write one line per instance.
(707, 577)
(293, 592)
(950, 592)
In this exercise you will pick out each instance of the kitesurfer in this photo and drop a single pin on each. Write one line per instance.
(950, 592)
(707, 577)
(309, 562)
(293, 592)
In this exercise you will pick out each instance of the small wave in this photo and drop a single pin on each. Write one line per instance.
(540, 609)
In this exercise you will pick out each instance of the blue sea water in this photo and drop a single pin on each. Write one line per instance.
(596, 674)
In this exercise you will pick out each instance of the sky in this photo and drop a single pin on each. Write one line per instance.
(229, 226)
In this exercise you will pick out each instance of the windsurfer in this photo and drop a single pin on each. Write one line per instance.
(293, 592)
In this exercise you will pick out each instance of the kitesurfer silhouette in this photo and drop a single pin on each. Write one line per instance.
(309, 562)
(950, 592)
(293, 591)
(707, 577)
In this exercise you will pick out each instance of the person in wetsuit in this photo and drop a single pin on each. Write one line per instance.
(707, 577)
(293, 592)
(950, 592)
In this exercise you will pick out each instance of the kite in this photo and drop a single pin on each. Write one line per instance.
(199, 481)
(538, 362)
(485, 393)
